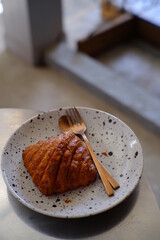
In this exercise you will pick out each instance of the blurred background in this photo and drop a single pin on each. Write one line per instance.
(94, 27)
(94, 53)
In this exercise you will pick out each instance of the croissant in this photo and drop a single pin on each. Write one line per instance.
(59, 164)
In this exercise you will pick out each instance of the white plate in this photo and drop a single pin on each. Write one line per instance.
(106, 133)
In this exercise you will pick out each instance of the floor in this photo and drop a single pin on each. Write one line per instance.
(42, 88)
(125, 58)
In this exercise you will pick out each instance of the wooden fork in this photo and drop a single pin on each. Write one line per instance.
(78, 126)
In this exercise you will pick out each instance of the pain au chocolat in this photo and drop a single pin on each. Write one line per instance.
(59, 164)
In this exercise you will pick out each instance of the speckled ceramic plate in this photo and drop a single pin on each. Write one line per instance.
(114, 143)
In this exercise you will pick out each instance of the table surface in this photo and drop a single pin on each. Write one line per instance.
(137, 217)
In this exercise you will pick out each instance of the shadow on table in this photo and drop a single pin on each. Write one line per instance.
(75, 228)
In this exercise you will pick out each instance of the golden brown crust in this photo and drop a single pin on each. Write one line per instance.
(75, 166)
(38, 156)
(47, 183)
(38, 173)
(61, 181)
(59, 164)
(30, 151)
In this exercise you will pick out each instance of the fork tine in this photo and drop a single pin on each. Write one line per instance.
(78, 115)
(71, 114)
(69, 118)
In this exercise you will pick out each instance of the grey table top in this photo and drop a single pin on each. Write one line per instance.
(138, 217)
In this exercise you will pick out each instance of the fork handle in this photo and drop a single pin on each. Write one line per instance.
(105, 176)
